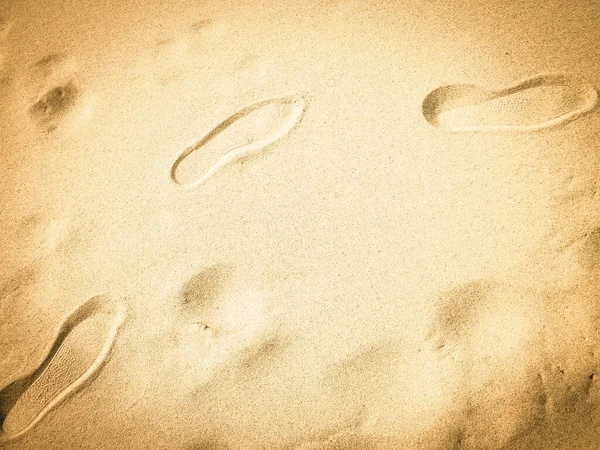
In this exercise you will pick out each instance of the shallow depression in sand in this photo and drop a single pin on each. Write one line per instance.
(537, 102)
(51, 95)
(79, 352)
(54, 105)
(250, 130)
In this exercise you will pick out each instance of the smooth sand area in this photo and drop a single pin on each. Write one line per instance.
(299, 225)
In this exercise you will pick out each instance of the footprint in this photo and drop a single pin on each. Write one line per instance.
(54, 106)
(204, 288)
(80, 350)
(223, 324)
(541, 101)
(246, 132)
(51, 94)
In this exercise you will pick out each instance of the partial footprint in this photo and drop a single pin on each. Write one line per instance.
(82, 347)
(203, 289)
(52, 94)
(54, 105)
(537, 102)
(53, 65)
(223, 323)
(246, 132)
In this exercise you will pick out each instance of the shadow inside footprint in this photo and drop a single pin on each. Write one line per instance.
(537, 102)
(81, 348)
(248, 131)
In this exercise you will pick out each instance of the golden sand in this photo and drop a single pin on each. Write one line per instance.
(299, 225)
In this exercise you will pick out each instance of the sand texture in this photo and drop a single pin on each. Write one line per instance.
(326, 225)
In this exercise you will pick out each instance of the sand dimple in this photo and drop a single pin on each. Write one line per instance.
(459, 310)
(221, 327)
(80, 350)
(248, 131)
(262, 356)
(203, 289)
(52, 95)
(538, 102)
(54, 105)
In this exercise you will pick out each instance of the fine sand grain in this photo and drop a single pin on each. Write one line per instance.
(305, 225)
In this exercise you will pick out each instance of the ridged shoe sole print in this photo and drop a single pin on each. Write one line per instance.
(249, 131)
(81, 349)
(542, 101)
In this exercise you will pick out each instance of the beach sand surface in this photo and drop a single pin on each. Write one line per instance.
(299, 225)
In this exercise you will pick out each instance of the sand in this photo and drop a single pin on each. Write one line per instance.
(302, 225)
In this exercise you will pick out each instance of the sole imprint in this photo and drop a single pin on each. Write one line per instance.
(80, 350)
(246, 132)
(541, 101)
